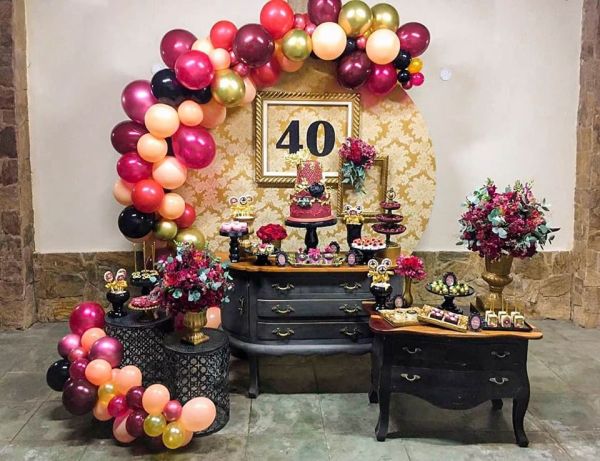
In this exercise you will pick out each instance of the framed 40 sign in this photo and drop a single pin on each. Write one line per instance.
(288, 122)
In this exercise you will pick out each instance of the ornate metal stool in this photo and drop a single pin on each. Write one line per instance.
(142, 343)
(200, 371)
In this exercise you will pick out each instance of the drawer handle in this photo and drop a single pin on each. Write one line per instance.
(283, 334)
(499, 382)
(242, 305)
(350, 309)
(412, 378)
(283, 288)
(500, 355)
(346, 286)
(416, 350)
(352, 334)
(285, 311)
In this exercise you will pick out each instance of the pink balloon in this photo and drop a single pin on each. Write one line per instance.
(414, 38)
(120, 429)
(198, 414)
(76, 354)
(109, 349)
(194, 146)
(174, 44)
(68, 343)
(383, 79)
(117, 406)
(85, 316)
(194, 70)
(213, 317)
(125, 136)
(417, 79)
(172, 410)
(136, 99)
(133, 168)
(77, 368)
(321, 11)
(300, 20)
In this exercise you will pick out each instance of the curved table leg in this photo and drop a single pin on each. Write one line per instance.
(497, 404)
(519, 409)
(253, 388)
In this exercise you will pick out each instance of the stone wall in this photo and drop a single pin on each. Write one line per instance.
(17, 301)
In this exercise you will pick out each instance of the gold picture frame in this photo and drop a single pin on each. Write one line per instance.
(300, 104)
(369, 215)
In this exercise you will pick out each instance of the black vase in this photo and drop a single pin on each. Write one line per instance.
(262, 260)
(381, 295)
(354, 232)
(117, 300)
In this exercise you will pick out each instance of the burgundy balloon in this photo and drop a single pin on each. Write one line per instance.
(321, 11)
(85, 316)
(414, 38)
(253, 45)
(194, 146)
(77, 368)
(117, 406)
(109, 349)
(172, 410)
(174, 44)
(79, 396)
(136, 99)
(353, 70)
(135, 423)
(67, 344)
(133, 168)
(187, 218)
(76, 354)
(266, 75)
(134, 398)
(125, 136)
(194, 70)
(383, 79)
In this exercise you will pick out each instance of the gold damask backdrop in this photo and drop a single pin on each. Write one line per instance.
(393, 125)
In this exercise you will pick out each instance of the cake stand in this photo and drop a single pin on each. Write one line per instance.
(311, 240)
(234, 243)
(448, 303)
(390, 224)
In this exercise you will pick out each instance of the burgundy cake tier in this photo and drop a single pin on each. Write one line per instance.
(310, 201)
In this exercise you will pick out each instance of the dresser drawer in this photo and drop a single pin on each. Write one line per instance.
(310, 308)
(312, 285)
(280, 331)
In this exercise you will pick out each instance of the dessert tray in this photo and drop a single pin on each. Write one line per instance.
(444, 319)
(401, 317)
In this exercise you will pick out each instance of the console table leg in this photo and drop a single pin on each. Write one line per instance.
(375, 360)
(497, 404)
(253, 389)
(519, 409)
(384, 393)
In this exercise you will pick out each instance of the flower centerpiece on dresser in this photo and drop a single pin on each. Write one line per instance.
(411, 268)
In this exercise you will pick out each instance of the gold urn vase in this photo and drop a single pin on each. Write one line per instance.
(497, 275)
(193, 323)
(407, 293)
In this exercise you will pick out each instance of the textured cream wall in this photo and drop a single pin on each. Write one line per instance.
(509, 111)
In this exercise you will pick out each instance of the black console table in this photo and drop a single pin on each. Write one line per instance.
(449, 369)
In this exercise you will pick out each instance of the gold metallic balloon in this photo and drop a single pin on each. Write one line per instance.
(174, 435)
(228, 88)
(416, 65)
(106, 392)
(154, 425)
(385, 16)
(297, 45)
(355, 18)
(192, 235)
(165, 230)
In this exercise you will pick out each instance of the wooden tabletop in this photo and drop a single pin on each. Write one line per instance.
(249, 266)
(379, 325)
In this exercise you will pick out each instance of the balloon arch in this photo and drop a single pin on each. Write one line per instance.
(171, 116)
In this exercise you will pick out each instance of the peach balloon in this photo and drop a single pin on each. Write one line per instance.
(220, 59)
(213, 317)
(383, 46)
(287, 65)
(329, 41)
(122, 192)
(188, 436)
(172, 206)
(115, 373)
(98, 372)
(161, 120)
(90, 337)
(198, 414)
(190, 113)
(250, 91)
(214, 114)
(169, 173)
(151, 148)
(120, 429)
(204, 45)
(100, 412)
(155, 398)
(129, 376)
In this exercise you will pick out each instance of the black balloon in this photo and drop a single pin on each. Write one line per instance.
(202, 96)
(58, 374)
(402, 60)
(134, 224)
(404, 76)
(166, 88)
(350, 46)
(79, 396)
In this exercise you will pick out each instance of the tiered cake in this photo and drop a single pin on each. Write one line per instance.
(310, 202)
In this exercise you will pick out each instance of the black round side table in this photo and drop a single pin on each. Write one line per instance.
(142, 342)
(200, 371)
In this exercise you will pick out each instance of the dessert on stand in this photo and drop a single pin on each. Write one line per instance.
(243, 210)
(449, 287)
(235, 230)
(367, 247)
(117, 294)
(389, 224)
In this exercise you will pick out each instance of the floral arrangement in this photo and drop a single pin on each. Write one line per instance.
(262, 249)
(297, 158)
(357, 157)
(410, 267)
(193, 280)
(271, 233)
(505, 223)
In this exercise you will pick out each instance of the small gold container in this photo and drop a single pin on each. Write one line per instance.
(194, 322)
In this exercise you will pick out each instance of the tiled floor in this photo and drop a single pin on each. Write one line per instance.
(317, 409)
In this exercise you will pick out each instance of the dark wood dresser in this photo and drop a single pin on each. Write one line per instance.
(297, 310)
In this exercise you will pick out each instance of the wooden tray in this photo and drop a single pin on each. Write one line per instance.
(462, 326)
(389, 314)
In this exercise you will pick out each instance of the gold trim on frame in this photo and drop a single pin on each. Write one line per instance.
(383, 163)
(261, 101)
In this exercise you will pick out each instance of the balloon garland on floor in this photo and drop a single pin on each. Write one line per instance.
(171, 116)
(91, 381)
